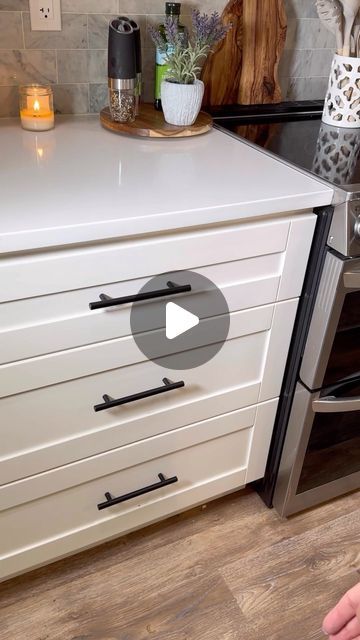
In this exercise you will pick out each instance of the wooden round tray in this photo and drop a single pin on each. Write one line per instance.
(151, 124)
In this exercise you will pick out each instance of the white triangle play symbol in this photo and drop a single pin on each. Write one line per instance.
(178, 320)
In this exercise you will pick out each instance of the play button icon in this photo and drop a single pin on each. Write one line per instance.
(180, 320)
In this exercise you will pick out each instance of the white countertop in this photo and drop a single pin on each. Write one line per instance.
(80, 183)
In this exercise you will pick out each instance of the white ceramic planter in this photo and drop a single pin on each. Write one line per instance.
(342, 101)
(181, 103)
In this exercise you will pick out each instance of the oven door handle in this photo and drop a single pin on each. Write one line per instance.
(352, 279)
(332, 404)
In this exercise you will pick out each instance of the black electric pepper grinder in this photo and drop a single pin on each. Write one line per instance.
(122, 76)
(138, 59)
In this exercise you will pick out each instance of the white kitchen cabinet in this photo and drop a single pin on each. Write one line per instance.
(59, 457)
(104, 223)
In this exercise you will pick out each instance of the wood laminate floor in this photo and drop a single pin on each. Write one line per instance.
(230, 571)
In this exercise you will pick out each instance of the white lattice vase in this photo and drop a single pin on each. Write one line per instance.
(342, 102)
(181, 103)
(337, 154)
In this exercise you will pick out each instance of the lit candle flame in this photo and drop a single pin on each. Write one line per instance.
(36, 105)
(40, 152)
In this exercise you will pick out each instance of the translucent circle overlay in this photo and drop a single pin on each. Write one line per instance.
(194, 347)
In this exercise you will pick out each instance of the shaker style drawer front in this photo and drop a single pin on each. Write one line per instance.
(49, 323)
(38, 326)
(70, 269)
(251, 367)
(55, 425)
(101, 497)
(43, 371)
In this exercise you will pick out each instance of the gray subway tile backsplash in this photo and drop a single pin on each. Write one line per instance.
(98, 25)
(73, 34)
(300, 8)
(89, 6)
(308, 34)
(11, 33)
(71, 98)
(306, 63)
(306, 88)
(23, 66)
(143, 7)
(74, 60)
(97, 65)
(14, 5)
(98, 97)
(72, 66)
(9, 101)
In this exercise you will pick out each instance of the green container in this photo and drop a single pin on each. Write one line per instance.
(161, 68)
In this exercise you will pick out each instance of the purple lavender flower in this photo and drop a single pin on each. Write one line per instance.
(157, 38)
(208, 30)
(199, 25)
(171, 31)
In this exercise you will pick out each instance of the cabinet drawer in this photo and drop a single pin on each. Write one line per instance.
(43, 371)
(207, 458)
(46, 324)
(50, 319)
(70, 269)
(56, 424)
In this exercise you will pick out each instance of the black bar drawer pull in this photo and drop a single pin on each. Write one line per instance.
(107, 301)
(111, 402)
(110, 501)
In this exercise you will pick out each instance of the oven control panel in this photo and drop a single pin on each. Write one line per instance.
(354, 227)
(344, 234)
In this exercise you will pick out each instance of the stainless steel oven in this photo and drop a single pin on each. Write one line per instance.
(315, 449)
(321, 455)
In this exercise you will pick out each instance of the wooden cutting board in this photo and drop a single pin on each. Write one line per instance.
(244, 67)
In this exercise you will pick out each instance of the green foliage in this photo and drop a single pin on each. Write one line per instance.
(184, 64)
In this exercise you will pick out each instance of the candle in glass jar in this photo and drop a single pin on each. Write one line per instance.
(36, 107)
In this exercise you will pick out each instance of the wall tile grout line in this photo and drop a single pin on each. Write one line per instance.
(22, 28)
(303, 77)
(56, 66)
(310, 50)
(72, 49)
(87, 31)
(58, 84)
(88, 42)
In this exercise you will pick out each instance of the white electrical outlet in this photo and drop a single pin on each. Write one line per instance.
(45, 15)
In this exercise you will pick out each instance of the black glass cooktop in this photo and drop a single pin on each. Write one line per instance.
(294, 132)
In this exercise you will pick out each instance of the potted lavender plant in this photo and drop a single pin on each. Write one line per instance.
(182, 91)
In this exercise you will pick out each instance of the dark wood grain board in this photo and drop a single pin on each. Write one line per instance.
(222, 70)
(244, 67)
(151, 124)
